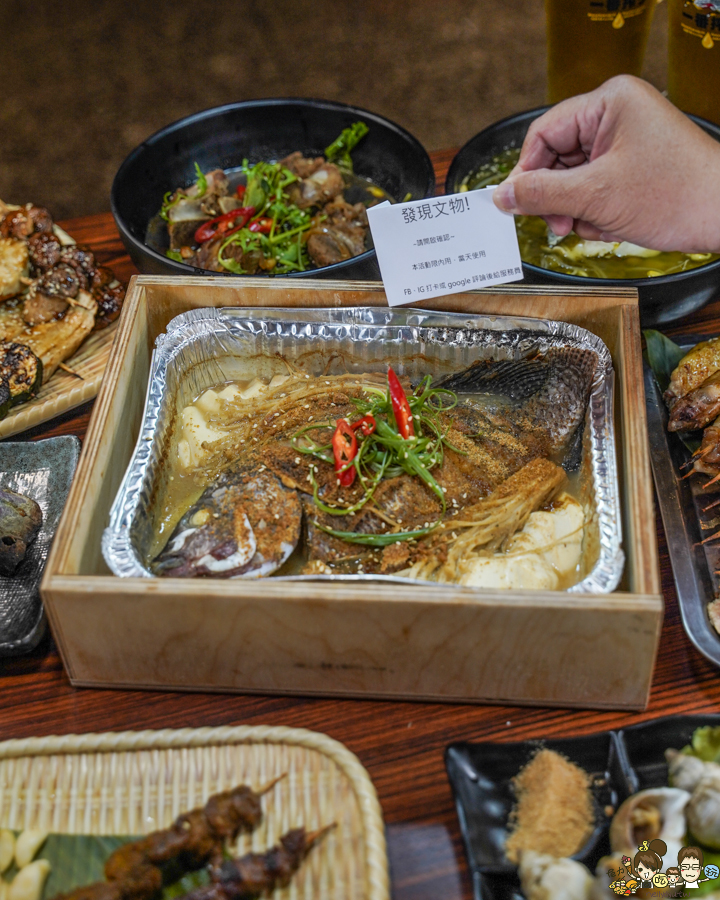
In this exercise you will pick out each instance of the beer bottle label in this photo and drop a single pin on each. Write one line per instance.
(701, 19)
(616, 11)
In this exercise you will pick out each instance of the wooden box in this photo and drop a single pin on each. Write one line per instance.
(390, 640)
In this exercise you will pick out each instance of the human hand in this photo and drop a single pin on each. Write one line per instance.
(620, 164)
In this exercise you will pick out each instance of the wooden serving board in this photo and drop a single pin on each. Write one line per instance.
(64, 391)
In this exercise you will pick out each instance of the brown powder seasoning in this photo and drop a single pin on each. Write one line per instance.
(554, 810)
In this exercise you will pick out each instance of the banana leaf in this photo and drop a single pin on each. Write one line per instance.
(78, 859)
(663, 356)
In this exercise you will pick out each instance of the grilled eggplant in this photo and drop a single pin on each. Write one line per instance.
(20, 375)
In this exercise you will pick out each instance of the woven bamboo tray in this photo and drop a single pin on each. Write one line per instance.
(131, 783)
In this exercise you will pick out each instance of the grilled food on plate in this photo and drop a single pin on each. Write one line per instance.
(464, 481)
(52, 296)
(20, 521)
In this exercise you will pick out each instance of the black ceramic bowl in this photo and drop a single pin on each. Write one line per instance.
(260, 130)
(662, 299)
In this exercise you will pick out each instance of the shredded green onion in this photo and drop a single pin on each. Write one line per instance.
(201, 182)
(386, 454)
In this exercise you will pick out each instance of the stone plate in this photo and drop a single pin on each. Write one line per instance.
(44, 471)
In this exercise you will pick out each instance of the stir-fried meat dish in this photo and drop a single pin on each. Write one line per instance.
(370, 474)
(283, 217)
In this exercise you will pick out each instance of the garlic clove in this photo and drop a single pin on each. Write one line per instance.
(544, 877)
(686, 772)
(7, 849)
(703, 812)
(28, 844)
(29, 882)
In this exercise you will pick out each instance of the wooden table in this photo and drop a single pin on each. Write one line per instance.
(401, 744)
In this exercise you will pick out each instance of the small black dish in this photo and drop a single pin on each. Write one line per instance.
(258, 130)
(644, 747)
(481, 776)
(619, 763)
(688, 512)
(662, 299)
(42, 470)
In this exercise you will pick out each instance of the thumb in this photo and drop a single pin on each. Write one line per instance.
(545, 192)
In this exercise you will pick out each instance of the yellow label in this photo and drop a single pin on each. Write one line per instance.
(701, 19)
(615, 11)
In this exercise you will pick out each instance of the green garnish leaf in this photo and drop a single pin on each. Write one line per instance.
(201, 182)
(341, 148)
(174, 254)
(705, 744)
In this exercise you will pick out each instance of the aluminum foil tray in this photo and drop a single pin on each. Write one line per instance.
(206, 347)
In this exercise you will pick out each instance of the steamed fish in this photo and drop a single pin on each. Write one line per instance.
(375, 489)
(246, 525)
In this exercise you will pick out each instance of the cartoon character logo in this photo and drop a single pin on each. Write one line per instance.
(690, 861)
(645, 870)
(648, 861)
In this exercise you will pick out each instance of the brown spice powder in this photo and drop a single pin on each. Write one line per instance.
(554, 809)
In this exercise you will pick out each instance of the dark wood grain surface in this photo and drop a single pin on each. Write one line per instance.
(401, 744)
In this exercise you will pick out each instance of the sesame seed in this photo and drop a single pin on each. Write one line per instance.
(465, 496)
(297, 460)
(310, 418)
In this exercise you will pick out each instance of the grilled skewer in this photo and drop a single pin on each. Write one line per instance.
(139, 869)
(258, 874)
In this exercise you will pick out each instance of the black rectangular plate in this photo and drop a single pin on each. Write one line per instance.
(42, 470)
(480, 774)
(682, 503)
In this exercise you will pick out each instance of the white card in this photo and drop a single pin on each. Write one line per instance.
(444, 245)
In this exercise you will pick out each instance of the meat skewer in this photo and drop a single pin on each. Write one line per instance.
(258, 874)
(139, 869)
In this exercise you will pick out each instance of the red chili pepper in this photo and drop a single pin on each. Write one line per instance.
(400, 406)
(345, 447)
(263, 226)
(221, 224)
(367, 424)
(240, 191)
